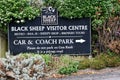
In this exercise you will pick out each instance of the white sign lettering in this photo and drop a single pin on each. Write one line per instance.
(19, 42)
(23, 28)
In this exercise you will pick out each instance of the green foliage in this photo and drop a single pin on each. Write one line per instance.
(53, 3)
(84, 64)
(97, 64)
(36, 3)
(98, 10)
(110, 53)
(71, 68)
(110, 60)
(113, 61)
(47, 58)
(18, 10)
(65, 59)
(28, 55)
(66, 64)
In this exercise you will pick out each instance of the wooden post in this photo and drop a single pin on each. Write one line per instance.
(3, 44)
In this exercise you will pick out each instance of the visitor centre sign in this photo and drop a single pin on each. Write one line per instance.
(51, 34)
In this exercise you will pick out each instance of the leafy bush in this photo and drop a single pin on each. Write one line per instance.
(53, 3)
(84, 64)
(97, 64)
(23, 67)
(18, 10)
(68, 64)
(98, 10)
(47, 58)
(71, 68)
(65, 59)
(110, 59)
(36, 3)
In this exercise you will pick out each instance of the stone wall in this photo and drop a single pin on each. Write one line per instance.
(3, 44)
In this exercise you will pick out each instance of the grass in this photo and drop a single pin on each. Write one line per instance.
(66, 64)
(84, 64)
(97, 64)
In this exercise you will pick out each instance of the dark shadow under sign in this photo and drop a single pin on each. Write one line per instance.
(69, 36)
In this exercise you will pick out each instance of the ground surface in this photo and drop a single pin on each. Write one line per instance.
(105, 74)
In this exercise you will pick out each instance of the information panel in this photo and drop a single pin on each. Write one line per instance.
(69, 36)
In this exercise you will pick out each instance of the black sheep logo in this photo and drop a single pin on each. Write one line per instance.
(49, 10)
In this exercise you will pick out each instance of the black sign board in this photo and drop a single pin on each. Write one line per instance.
(70, 36)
